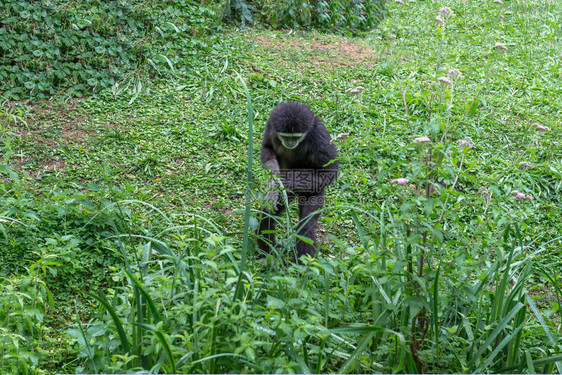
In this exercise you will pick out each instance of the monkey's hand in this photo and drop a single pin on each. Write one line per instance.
(273, 166)
(273, 190)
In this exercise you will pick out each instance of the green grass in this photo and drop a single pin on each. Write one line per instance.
(127, 209)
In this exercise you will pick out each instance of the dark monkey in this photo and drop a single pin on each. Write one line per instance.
(297, 149)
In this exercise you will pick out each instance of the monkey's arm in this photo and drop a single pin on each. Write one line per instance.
(269, 159)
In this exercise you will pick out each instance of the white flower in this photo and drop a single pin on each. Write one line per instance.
(438, 19)
(525, 164)
(343, 136)
(499, 2)
(400, 181)
(400, 2)
(514, 192)
(500, 46)
(392, 36)
(464, 143)
(444, 79)
(422, 140)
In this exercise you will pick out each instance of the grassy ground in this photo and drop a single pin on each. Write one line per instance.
(147, 163)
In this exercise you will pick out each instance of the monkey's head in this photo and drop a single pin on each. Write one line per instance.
(291, 122)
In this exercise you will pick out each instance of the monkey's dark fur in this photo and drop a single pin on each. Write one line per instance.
(305, 171)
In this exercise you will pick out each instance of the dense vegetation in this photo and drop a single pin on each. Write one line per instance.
(351, 16)
(82, 47)
(126, 217)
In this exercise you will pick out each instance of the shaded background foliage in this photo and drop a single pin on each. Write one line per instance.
(81, 47)
(346, 15)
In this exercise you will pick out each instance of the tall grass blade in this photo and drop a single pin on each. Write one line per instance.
(91, 351)
(506, 340)
(516, 292)
(529, 361)
(153, 310)
(498, 305)
(557, 359)
(320, 352)
(495, 333)
(544, 326)
(164, 342)
(352, 362)
(118, 325)
(249, 177)
(557, 288)
(435, 314)
(327, 296)
(540, 318)
(362, 236)
(514, 348)
(304, 369)
(365, 329)
(219, 356)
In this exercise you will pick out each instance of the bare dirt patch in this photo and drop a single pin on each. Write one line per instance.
(329, 52)
(69, 124)
(52, 163)
(44, 127)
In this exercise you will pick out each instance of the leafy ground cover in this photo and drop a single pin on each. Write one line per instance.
(123, 214)
(82, 47)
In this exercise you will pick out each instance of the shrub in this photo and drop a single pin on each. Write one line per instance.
(348, 15)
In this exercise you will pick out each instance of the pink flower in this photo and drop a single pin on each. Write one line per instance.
(520, 196)
(525, 164)
(445, 10)
(542, 128)
(500, 46)
(355, 91)
(400, 181)
(392, 36)
(454, 72)
(400, 2)
(499, 2)
(343, 136)
(438, 19)
(422, 140)
(464, 143)
(444, 79)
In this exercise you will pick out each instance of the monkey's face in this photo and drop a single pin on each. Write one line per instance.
(291, 140)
